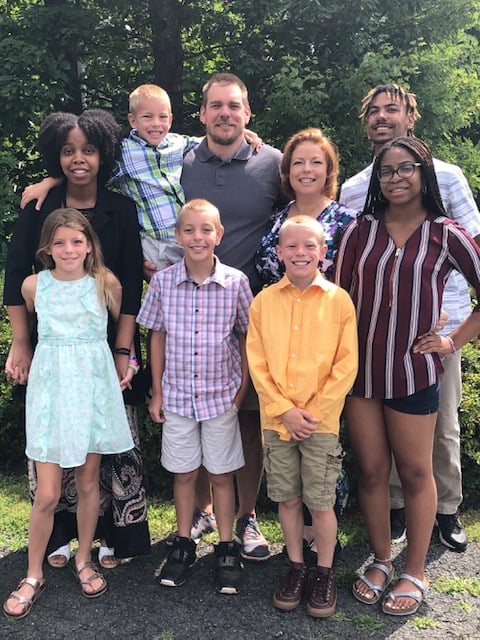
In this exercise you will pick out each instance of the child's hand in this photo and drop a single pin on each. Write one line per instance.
(253, 139)
(18, 363)
(299, 423)
(155, 408)
(149, 269)
(38, 192)
(126, 380)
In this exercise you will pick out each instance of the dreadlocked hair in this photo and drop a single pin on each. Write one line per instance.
(394, 91)
(431, 199)
(100, 129)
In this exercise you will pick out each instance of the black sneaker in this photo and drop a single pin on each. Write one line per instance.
(181, 557)
(451, 532)
(398, 527)
(228, 574)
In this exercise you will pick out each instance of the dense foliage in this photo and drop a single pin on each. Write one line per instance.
(306, 62)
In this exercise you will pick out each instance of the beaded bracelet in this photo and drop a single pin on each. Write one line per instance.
(452, 344)
(133, 364)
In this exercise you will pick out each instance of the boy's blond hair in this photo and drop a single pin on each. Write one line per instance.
(197, 205)
(147, 91)
(306, 222)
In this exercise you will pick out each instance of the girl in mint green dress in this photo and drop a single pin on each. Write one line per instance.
(74, 395)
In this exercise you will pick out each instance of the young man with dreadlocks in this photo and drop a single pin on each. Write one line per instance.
(387, 112)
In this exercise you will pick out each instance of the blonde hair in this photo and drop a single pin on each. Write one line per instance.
(94, 265)
(305, 222)
(197, 205)
(326, 145)
(147, 91)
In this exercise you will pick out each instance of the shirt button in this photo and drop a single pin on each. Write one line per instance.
(295, 328)
(299, 299)
(290, 385)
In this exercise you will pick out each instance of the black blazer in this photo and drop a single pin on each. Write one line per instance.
(116, 224)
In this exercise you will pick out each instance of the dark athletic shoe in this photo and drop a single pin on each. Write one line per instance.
(180, 558)
(451, 532)
(398, 528)
(228, 574)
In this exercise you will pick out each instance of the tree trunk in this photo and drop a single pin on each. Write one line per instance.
(166, 20)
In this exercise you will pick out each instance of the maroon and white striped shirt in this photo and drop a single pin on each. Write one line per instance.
(397, 294)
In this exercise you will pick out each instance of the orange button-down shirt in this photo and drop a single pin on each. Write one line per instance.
(302, 352)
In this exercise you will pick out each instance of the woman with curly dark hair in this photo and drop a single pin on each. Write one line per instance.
(82, 150)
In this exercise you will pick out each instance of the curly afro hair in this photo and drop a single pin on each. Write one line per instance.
(100, 129)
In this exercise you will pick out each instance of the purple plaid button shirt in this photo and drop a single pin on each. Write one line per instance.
(202, 323)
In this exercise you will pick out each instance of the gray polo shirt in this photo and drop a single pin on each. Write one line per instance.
(245, 189)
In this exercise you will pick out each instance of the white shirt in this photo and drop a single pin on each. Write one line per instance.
(459, 204)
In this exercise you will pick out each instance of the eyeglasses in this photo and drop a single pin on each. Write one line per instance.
(405, 170)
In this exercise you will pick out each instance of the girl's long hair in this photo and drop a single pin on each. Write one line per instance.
(94, 265)
(431, 199)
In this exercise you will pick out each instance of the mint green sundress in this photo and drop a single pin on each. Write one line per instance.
(74, 404)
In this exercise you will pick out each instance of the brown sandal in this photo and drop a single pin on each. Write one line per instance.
(38, 587)
(95, 576)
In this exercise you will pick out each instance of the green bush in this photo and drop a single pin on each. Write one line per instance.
(470, 424)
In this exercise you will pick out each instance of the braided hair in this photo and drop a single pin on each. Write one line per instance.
(100, 129)
(431, 199)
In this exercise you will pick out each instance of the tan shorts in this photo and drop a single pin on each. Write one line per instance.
(308, 469)
(216, 443)
(162, 254)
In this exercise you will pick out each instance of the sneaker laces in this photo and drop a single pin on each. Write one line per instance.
(251, 531)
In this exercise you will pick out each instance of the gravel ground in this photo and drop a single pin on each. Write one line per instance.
(135, 606)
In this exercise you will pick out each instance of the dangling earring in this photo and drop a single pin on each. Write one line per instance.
(381, 198)
(424, 189)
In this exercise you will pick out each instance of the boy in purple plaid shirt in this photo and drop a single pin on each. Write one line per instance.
(197, 310)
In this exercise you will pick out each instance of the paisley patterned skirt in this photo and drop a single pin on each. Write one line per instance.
(123, 519)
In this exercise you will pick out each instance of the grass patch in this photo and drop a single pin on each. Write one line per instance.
(456, 586)
(420, 623)
(14, 512)
(466, 607)
(367, 623)
(471, 522)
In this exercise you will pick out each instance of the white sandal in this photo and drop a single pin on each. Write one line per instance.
(60, 557)
(107, 552)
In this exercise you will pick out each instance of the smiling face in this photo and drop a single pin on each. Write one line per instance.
(152, 119)
(79, 159)
(301, 251)
(198, 232)
(69, 249)
(308, 169)
(400, 190)
(225, 115)
(387, 118)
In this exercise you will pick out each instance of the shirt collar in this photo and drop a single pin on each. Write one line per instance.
(133, 135)
(203, 153)
(319, 281)
(218, 274)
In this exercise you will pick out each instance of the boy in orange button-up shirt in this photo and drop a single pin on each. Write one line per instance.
(302, 353)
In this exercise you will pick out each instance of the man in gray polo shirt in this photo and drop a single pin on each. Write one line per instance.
(244, 184)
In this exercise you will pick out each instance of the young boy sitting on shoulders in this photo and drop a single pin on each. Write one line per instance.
(198, 313)
(302, 354)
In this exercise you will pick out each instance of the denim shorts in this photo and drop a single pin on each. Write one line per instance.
(421, 403)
